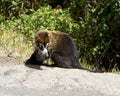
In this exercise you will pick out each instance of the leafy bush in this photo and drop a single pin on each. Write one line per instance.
(108, 21)
(93, 24)
(99, 41)
(47, 18)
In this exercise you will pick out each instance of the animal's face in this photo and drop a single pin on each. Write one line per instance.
(42, 43)
(43, 49)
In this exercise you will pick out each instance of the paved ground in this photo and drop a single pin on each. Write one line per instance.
(16, 79)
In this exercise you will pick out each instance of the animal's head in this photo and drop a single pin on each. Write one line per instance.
(42, 42)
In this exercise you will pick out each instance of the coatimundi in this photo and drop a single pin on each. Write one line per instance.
(55, 45)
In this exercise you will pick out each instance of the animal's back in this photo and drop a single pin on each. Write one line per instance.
(62, 43)
(63, 50)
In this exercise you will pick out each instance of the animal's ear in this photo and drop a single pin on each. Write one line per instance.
(37, 40)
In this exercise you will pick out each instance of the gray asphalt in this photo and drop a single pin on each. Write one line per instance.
(24, 91)
(16, 79)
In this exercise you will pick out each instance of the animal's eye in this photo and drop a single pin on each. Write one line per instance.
(40, 46)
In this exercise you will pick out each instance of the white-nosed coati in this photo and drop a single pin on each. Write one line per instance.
(58, 46)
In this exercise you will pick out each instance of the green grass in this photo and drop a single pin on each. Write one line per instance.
(86, 65)
(14, 44)
(92, 67)
(117, 71)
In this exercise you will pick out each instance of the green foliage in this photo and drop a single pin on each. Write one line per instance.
(93, 24)
(47, 18)
(10, 9)
(109, 16)
(99, 32)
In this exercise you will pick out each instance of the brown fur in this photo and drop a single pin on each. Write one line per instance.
(61, 49)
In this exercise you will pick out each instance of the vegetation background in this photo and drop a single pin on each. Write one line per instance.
(93, 24)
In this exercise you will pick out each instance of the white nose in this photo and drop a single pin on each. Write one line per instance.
(45, 52)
